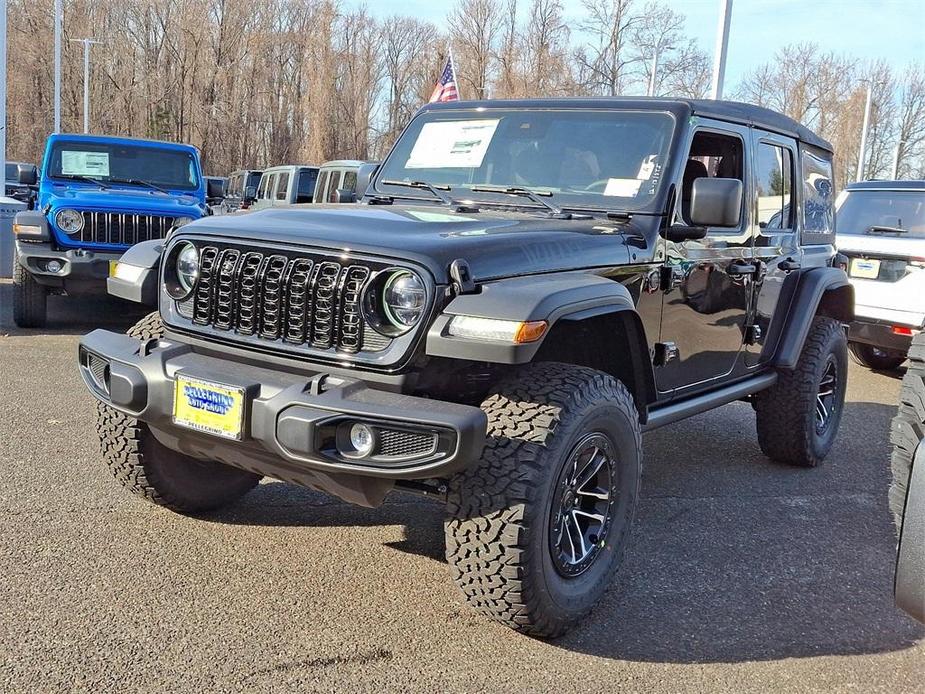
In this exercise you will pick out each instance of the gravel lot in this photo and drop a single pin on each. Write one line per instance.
(743, 575)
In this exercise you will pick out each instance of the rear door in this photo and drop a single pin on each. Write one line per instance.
(776, 248)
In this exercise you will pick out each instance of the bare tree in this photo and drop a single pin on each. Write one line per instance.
(604, 64)
(475, 26)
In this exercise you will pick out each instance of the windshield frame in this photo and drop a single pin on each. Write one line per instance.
(58, 144)
(842, 227)
(655, 206)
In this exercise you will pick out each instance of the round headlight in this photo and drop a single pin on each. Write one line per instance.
(403, 299)
(181, 221)
(69, 221)
(181, 270)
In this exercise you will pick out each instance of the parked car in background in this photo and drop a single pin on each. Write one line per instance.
(881, 230)
(13, 188)
(338, 175)
(97, 196)
(281, 186)
(241, 189)
(215, 191)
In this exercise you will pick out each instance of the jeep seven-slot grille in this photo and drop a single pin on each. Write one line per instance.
(123, 228)
(301, 300)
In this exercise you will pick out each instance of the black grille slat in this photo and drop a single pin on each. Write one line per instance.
(285, 297)
(224, 297)
(394, 443)
(274, 293)
(118, 228)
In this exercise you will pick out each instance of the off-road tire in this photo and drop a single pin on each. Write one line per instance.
(908, 427)
(30, 299)
(786, 412)
(156, 473)
(875, 358)
(499, 511)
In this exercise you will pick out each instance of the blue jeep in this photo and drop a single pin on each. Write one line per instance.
(97, 196)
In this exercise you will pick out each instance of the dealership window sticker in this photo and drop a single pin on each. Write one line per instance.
(77, 163)
(452, 144)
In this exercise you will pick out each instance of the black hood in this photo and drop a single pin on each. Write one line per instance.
(495, 243)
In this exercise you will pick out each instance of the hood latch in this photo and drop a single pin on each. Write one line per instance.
(462, 277)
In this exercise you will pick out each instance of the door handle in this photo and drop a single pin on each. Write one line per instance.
(739, 269)
(788, 265)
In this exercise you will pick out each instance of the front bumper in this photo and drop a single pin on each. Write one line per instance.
(81, 271)
(880, 334)
(290, 420)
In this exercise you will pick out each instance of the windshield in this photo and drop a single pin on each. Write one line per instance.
(881, 211)
(583, 158)
(167, 168)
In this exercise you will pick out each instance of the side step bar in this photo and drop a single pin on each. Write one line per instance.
(675, 411)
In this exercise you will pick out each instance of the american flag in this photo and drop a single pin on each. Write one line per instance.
(445, 89)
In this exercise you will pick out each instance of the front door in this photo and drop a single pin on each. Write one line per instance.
(708, 282)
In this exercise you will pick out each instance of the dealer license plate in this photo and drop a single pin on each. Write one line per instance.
(209, 407)
(865, 268)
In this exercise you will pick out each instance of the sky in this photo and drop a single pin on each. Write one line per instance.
(893, 30)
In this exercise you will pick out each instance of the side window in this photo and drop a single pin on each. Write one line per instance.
(774, 178)
(306, 186)
(350, 180)
(282, 186)
(712, 155)
(320, 186)
(818, 198)
(264, 184)
(334, 185)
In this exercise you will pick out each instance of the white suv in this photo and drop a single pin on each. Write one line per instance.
(881, 229)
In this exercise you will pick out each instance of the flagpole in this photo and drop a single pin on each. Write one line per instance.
(449, 49)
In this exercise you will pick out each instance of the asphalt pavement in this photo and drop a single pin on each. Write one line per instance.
(743, 575)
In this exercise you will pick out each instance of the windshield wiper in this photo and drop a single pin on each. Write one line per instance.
(532, 195)
(85, 179)
(437, 191)
(878, 229)
(138, 182)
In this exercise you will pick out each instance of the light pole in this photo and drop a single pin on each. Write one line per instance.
(651, 90)
(87, 43)
(861, 157)
(57, 97)
(896, 153)
(719, 53)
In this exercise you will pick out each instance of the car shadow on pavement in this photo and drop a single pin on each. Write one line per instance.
(734, 558)
(69, 315)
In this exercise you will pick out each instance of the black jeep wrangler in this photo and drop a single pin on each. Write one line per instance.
(525, 287)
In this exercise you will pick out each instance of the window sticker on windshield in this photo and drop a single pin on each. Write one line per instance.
(647, 167)
(74, 163)
(452, 144)
(623, 187)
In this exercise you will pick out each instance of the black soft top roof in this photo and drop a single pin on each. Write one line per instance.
(732, 111)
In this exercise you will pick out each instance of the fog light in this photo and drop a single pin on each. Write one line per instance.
(53, 266)
(362, 440)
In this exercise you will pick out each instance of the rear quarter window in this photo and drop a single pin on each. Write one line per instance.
(818, 198)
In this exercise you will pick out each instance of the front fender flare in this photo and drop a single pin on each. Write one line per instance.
(573, 295)
(141, 287)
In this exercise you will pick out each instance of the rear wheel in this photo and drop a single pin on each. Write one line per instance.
(536, 531)
(876, 358)
(30, 299)
(158, 474)
(798, 417)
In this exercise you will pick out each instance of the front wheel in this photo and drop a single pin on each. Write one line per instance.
(30, 299)
(536, 531)
(149, 469)
(798, 417)
(876, 358)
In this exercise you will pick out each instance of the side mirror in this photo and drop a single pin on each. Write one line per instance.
(215, 189)
(250, 193)
(344, 195)
(365, 174)
(716, 202)
(27, 174)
